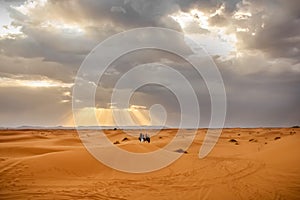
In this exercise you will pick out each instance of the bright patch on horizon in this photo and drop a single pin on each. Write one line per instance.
(42, 83)
(107, 117)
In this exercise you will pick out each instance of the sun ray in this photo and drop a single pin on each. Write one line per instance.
(138, 116)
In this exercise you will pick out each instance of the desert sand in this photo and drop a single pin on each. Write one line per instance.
(260, 163)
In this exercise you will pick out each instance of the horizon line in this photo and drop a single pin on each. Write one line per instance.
(132, 127)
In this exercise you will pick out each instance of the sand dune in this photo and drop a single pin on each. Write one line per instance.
(53, 164)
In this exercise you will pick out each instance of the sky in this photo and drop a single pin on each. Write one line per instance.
(254, 43)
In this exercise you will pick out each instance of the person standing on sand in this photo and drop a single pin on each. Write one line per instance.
(147, 138)
(141, 138)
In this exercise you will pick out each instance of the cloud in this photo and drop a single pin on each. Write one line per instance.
(41, 82)
(69, 30)
(33, 106)
(218, 20)
(20, 66)
(262, 93)
(271, 27)
(260, 67)
(263, 102)
(278, 34)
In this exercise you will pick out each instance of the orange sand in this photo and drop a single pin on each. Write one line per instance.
(53, 164)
